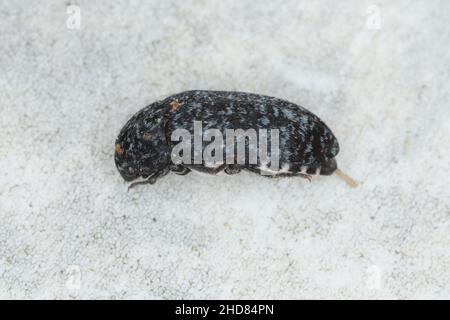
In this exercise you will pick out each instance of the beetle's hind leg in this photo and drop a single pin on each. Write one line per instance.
(305, 176)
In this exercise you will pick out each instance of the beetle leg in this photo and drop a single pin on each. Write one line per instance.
(151, 180)
(180, 170)
(306, 176)
(232, 169)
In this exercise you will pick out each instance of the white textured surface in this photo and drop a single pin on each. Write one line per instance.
(65, 94)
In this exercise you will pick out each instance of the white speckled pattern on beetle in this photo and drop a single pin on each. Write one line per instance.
(143, 147)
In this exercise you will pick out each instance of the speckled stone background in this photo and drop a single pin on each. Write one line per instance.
(376, 72)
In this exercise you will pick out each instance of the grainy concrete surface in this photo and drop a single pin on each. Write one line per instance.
(376, 72)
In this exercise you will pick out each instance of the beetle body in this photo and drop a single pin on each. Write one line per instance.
(143, 148)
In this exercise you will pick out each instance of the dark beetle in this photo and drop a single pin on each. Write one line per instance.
(143, 148)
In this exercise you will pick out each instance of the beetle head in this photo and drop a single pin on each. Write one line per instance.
(141, 149)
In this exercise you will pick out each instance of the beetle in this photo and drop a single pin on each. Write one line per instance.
(143, 148)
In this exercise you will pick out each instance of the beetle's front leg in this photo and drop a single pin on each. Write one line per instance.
(151, 180)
